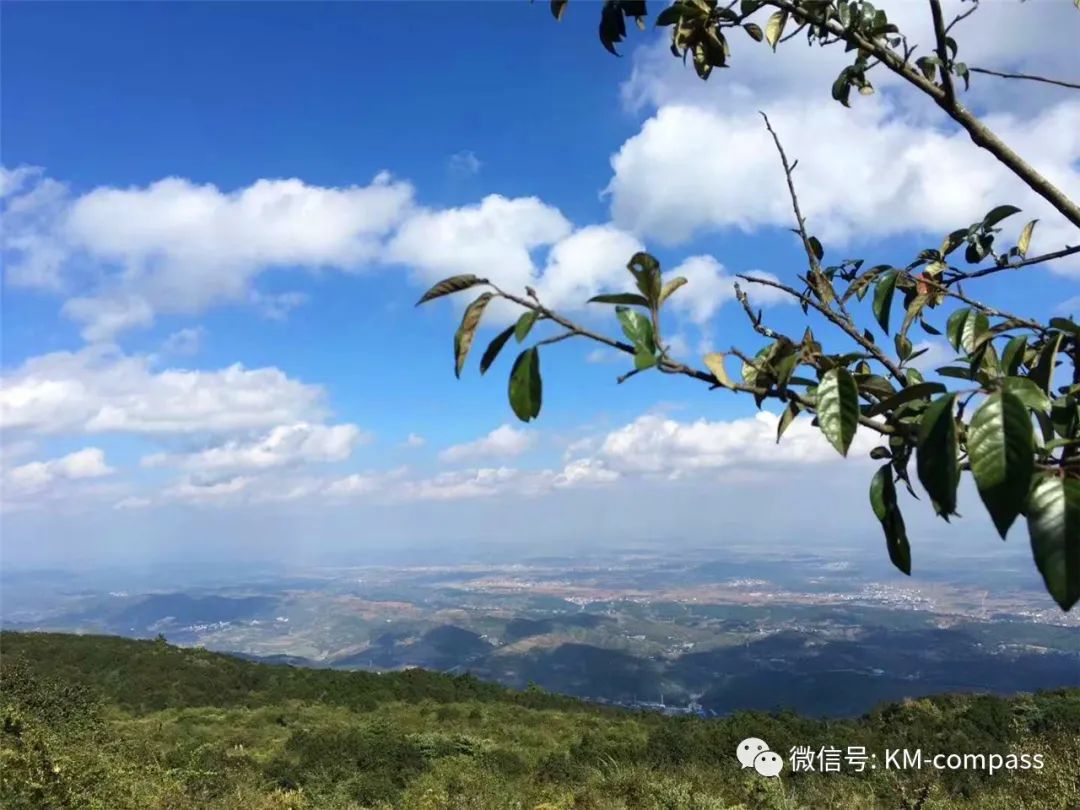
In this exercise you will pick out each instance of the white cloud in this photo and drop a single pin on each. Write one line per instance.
(938, 353)
(585, 472)
(704, 161)
(68, 479)
(177, 246)
(709, 287)
(284, 446)
(655, 445)
(891, 177)
(37, 475)
(503, 442)
(193, 491)
(277, 306)
(106, 317)
(464, 163)
(414, 440)
(589, 260)
(99, 389)
(493, 239)
(184, 342)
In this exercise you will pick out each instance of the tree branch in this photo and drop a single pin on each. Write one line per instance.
(670, 366)
(1068, 250)
(1025, 76)
(800, 221)
(943, 53)
(978, 132)
(846, 326)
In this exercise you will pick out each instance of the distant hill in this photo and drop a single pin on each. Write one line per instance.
(104, 722)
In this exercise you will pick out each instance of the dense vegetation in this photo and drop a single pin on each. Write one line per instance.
(101, 722)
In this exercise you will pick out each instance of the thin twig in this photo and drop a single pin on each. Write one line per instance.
(991, 311)
(1068, 250)
(1025, 76)
(963, 16)
(673, 367)
(846, 326)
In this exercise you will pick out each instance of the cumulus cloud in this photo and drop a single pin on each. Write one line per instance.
(38, 475)
(891, 177)
(178, 246)
(284, 446)
(709, 287)
(68, 480)
(656, 445)
(503, 442)
(903, 169)
(100, 389)
(493, 238)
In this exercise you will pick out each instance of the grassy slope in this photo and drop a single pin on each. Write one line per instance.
(92, 721)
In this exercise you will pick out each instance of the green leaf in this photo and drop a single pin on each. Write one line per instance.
(1027, 392)
(750, 372)
(1043, 372)
(643, 360)
(1053, 516)
(671, 15)
(883, 502)
(525, 324)
(1024, 241)
(1065, 325)
(953, 241)
(1001, 448)
(939, 469)
(612, 26)
(494, 348)
(815, 246)
(915, 308)
(903, 346)
(637, 328)
(954, 326)
(671, 287)
(774, 28)
(883, 296)
(526, 387)
(451, 285)
(557, 8)
(646, 272)
(786, 418)
(838, 408)
(975, 325)
(997, 214)
(1065, 416)
(754, 30)
(957, 372)
(1013, 355)
(715, 363)
(622, 299)
(909, 394)
(463, 338)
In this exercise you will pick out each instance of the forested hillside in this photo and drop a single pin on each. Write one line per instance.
(101, 722)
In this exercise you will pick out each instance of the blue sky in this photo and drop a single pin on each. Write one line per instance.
(218, 217)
